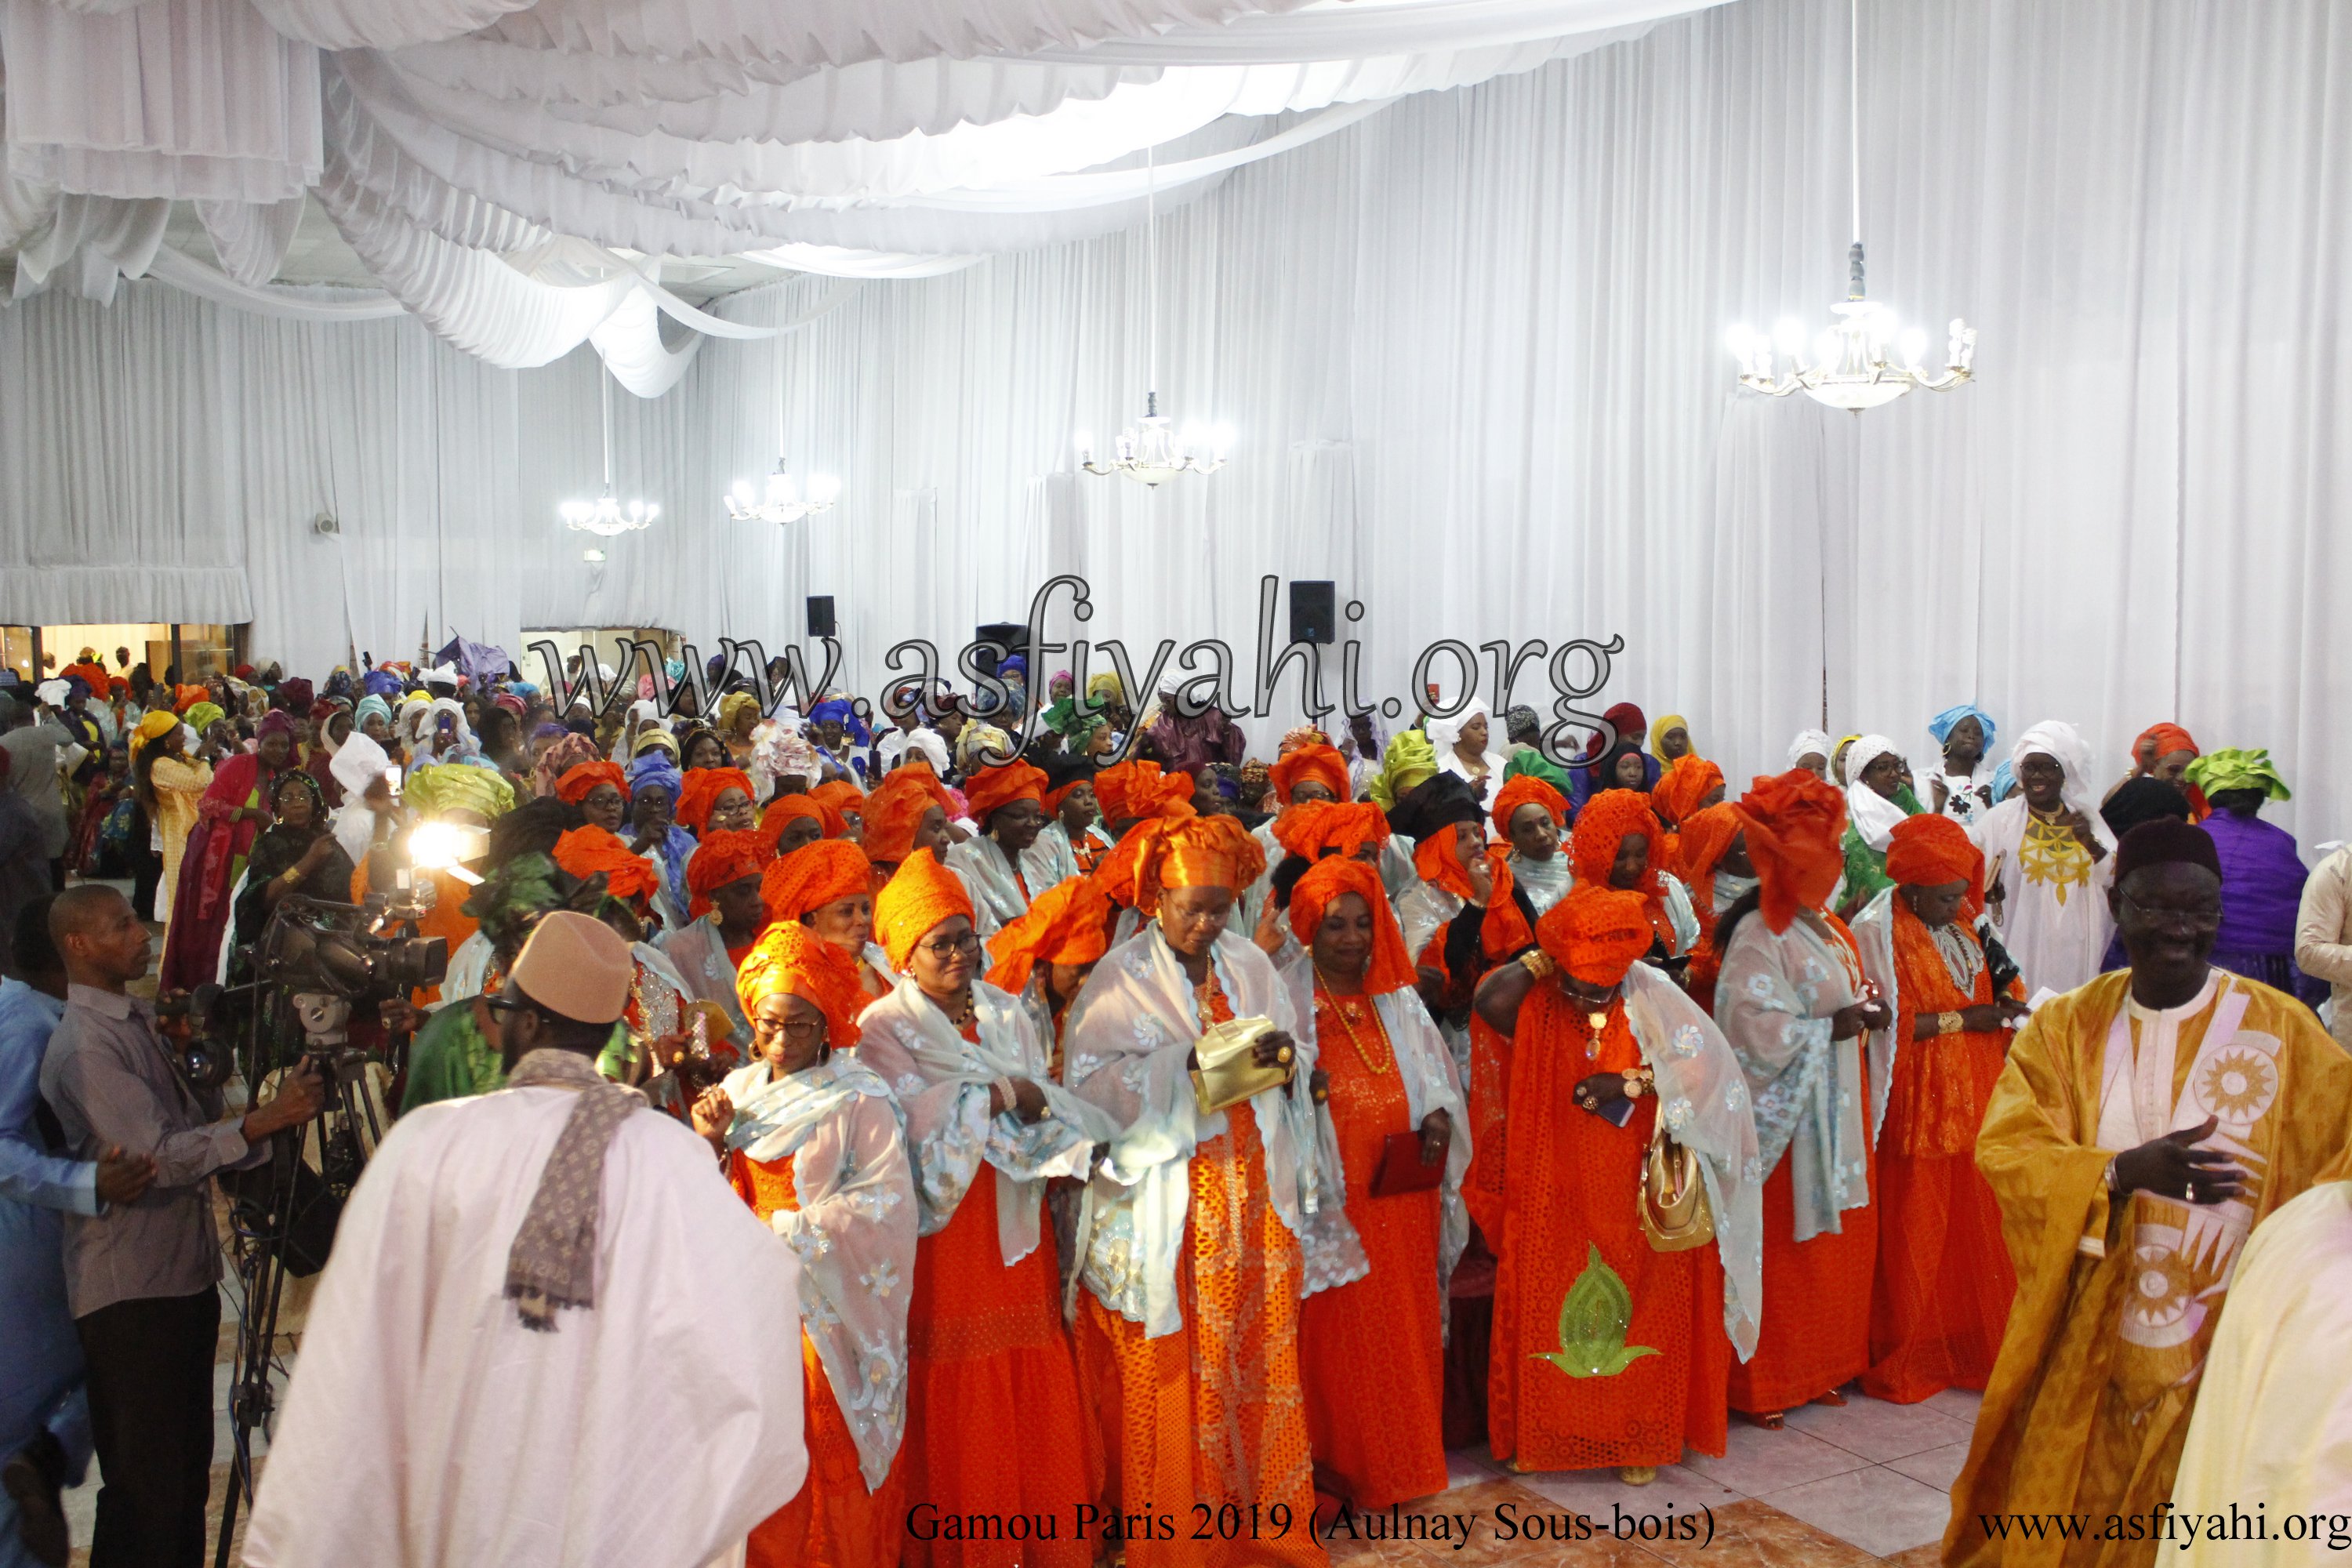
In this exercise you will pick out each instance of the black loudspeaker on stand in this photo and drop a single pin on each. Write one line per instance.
(1314, 615)
(1011, 635)
(820, 616)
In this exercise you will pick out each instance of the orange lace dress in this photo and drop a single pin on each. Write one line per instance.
(1371, 1354)
(1814, 1333)
(1572, 1184)
(993, 1421)
(1945, 1279)
(1212, 1414)
(834, 1523)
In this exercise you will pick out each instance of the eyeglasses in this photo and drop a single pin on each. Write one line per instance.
(2196, 922)
(801, 1029)
(948, 947)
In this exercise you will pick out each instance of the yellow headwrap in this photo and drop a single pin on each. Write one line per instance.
(1105, 685)
(1658, 733)
(1410, 760)
(159, 721)
(460, 787)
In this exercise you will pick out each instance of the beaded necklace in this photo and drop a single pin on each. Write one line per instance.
(1343, 1008)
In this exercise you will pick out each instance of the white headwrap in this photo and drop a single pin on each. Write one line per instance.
(1444, 734)
(2056, 739)
(1872, 814)
(1810, 743)
(933, 744)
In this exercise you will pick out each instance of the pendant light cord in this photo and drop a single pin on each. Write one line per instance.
(1151, 272)
(1854, 109)
(604, 393)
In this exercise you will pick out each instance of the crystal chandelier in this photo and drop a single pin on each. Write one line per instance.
(606, 515)
(1150, 451)
(782, 500)
(1849, 365)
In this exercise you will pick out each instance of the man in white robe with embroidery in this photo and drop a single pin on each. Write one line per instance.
(2047, 854)
(2145, 1122)
(519, 1350)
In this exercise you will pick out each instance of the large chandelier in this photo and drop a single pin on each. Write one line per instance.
(782, 500)
(1150, 451)
(1849, 365)
(608, 515)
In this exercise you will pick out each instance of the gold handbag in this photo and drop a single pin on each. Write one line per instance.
(1228, 1074)
(1673, 1206)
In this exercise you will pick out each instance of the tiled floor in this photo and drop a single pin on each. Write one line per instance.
(1840, 1486)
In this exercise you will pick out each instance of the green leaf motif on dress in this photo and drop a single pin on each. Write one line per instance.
(1593, 1318)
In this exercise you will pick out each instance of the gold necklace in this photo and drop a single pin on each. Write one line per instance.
(1339, 1007)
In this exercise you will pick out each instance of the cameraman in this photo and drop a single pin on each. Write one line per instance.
(140, 1279)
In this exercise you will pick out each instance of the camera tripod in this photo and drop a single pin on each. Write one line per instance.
(283, 1214)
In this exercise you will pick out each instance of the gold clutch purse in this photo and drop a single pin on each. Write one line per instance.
(1673, 1206)
(1228, 1074)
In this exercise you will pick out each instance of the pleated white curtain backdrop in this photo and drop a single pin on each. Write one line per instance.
(1473, 351)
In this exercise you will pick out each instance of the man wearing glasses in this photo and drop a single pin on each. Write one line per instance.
(2144, 1124)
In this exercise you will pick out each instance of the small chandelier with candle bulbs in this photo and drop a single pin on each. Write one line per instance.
(1150, 451)
(782, 500)
(608, 515)
(1849, 364)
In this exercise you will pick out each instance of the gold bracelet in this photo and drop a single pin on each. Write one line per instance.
(291, 876)
(1947, 1023)
(1539, 962)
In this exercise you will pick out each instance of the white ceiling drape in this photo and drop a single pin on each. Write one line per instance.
(1473, 350)
(443, 137)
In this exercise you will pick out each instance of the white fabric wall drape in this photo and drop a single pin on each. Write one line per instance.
(1474, 349)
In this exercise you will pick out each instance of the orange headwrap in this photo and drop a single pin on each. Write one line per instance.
(1314, 828)
(726, 854)
(585, 851)
(918, 898)
(2168, 739)
(1129, 791)
(791, 958)
(992, 788)
(186, 696)
(1527, 790)
(1929, 850)
(1707, 834)
(1391, 966)
(1607, 818)
(576, 783)
(1055, 797)
(1439, 863)
(1596, 932)
(1069, 923)
(894, 811)
(1194, 852)
(786, 808)
(1688, 780)
(813, 876)
(841, 796)
(1794, 823)
(1321, 763)
(701, 792)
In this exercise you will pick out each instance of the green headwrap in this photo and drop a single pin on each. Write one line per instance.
(1410, 760)
(202, 716)
(518, 891)
(460, 787)
(2236, 768)
(1529, 763)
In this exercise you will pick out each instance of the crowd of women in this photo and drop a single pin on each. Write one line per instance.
(1245, 1132)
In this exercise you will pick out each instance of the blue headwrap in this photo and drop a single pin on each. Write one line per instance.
(523, 688)
(654, 767)
(381, 683)
(839, 707)
(1013, 664)
(340, 684)
(1941, 725)
(370, 704)
(674, 668)
(2004, 781)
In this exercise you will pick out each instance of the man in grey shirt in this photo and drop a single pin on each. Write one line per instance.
(33, 752)
(140, 1279)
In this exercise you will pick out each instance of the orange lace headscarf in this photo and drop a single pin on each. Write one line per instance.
(726, 854)
(1794, 823)
(1605, 823)
(1930, 851)
(1321, 763)
(1194, 852)
(1596, 932)
(585, 851)
(918, 898)
(813, 876)
(791, 958)
(1390, 967)
(1068, 923)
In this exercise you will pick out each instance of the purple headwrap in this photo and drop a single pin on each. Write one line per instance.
(277, 722)
(654, 767)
